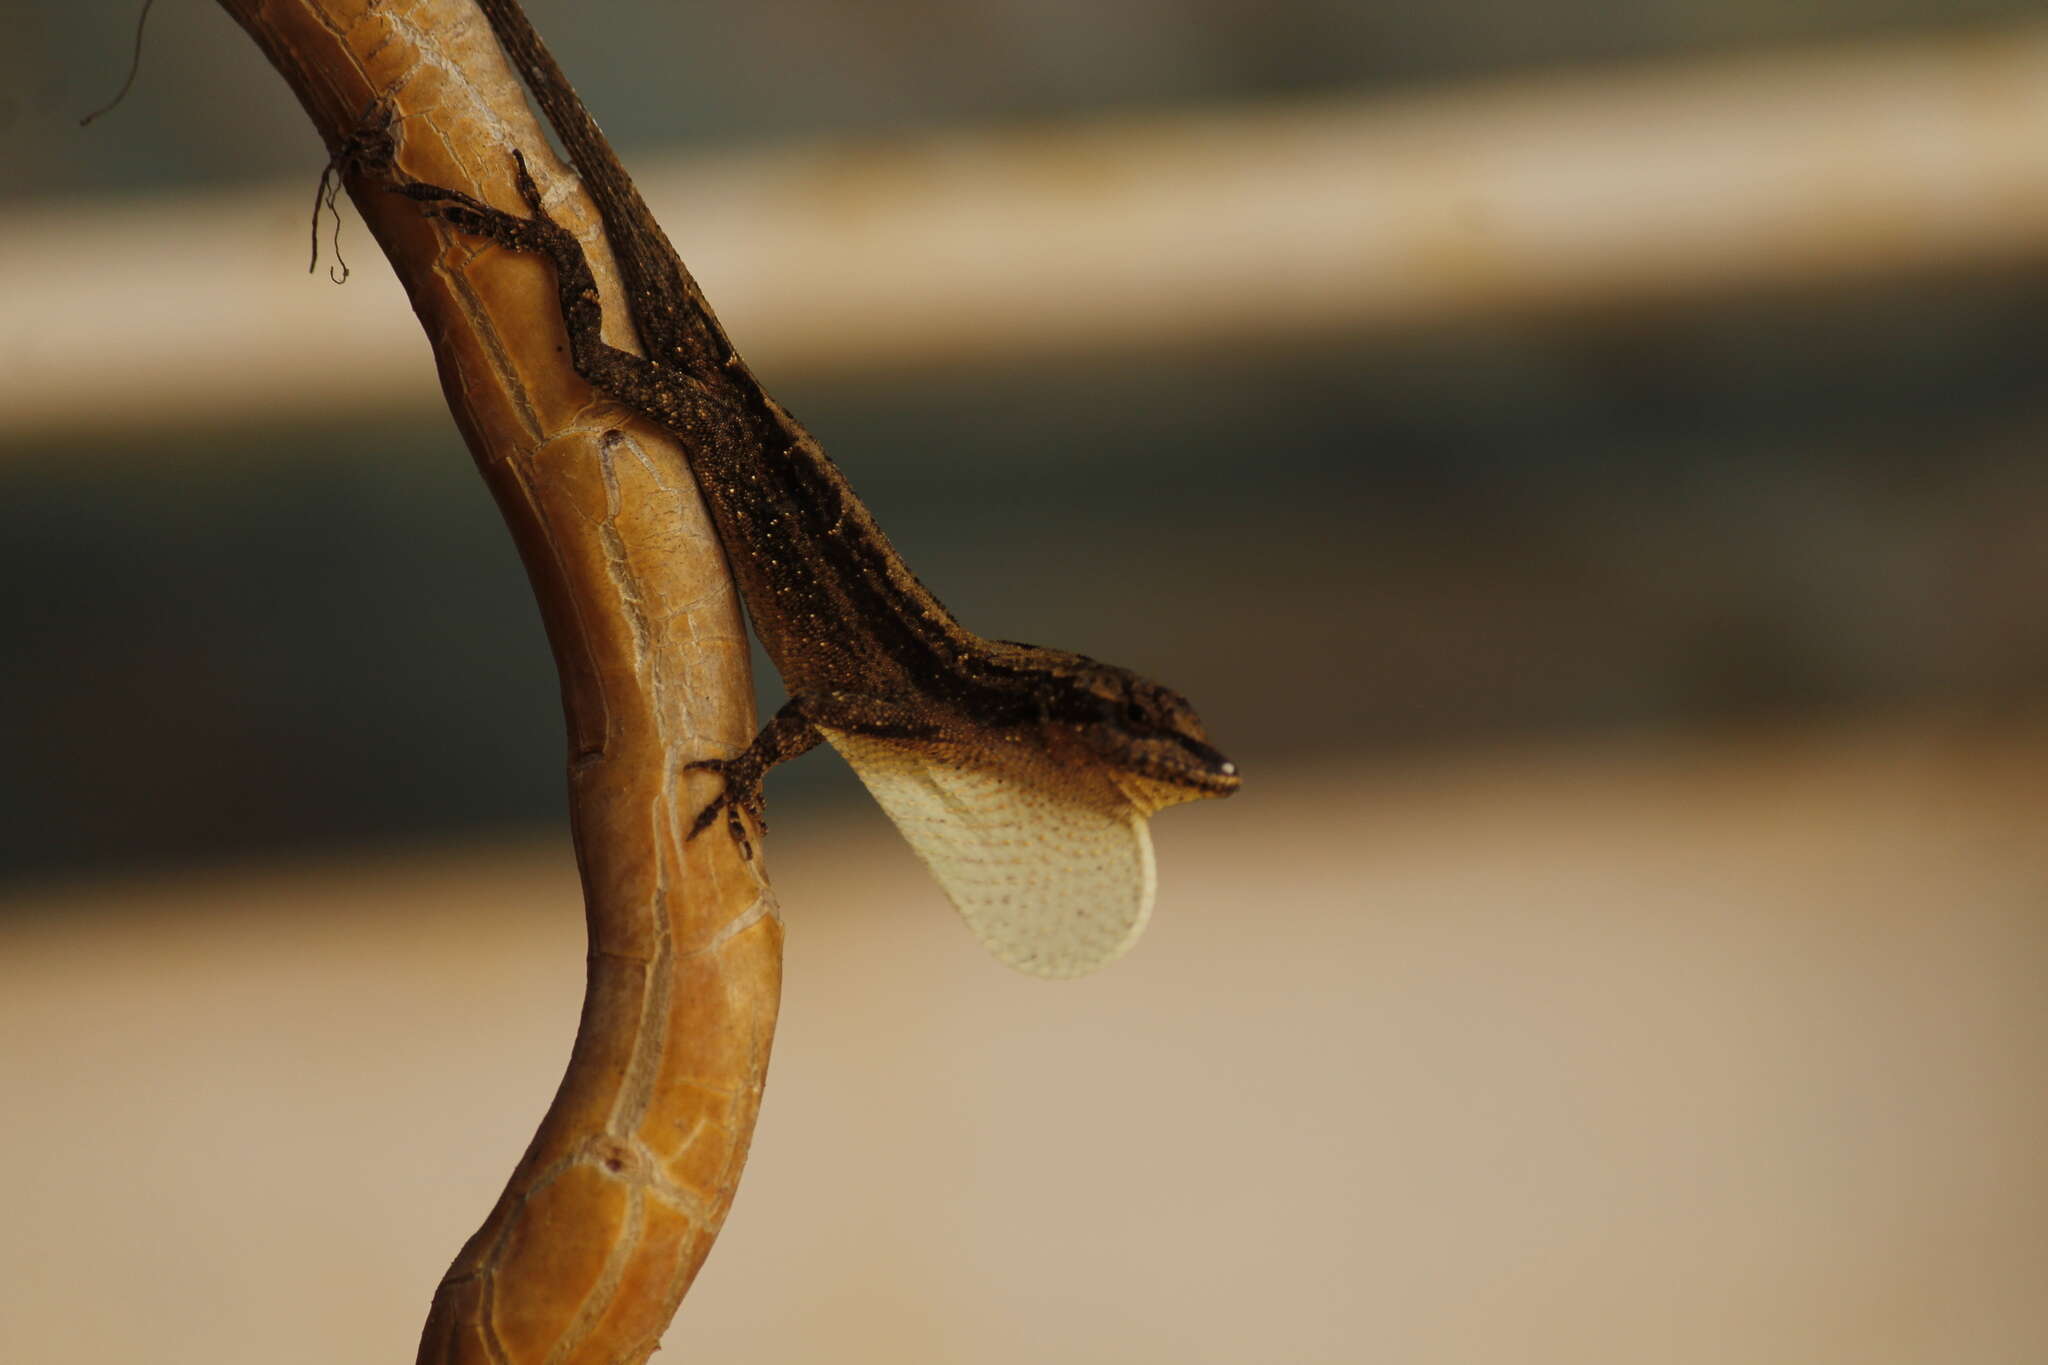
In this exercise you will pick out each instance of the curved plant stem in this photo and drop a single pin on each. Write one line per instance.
(614, 1206)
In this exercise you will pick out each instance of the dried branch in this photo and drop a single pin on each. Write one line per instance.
(616, 1202)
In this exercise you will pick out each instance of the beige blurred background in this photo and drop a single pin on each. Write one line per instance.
(1585, 463)
(1689, 1054)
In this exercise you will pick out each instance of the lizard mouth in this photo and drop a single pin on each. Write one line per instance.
(1179, 769)
(1176, 765)
(1198, 766)
(1211, 770)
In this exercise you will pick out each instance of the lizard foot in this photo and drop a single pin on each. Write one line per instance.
(471, 215)
(781, 739)
(742, 794)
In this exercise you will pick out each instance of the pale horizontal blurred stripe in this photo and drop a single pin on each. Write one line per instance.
(1688, 1054)
(1231, 227)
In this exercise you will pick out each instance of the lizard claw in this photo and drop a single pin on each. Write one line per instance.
(742, 794)
(528, 191)
(440, 199)
(784, 737)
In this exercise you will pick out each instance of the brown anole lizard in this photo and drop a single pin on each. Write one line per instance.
(1022, 776)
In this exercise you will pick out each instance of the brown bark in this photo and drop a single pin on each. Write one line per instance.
(611, 1211)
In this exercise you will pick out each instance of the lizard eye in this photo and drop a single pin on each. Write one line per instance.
(1134, 714)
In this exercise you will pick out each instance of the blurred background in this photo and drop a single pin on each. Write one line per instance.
(1583, 460)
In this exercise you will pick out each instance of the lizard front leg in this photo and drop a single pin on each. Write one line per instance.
(788, 734)
(791, 732)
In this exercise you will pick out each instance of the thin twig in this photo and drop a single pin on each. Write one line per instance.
(134, 68)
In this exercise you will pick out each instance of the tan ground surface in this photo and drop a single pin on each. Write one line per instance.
(1713, 1054)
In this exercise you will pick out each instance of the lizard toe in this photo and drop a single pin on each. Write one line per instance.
(706, 816)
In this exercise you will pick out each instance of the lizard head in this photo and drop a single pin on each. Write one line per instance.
(1148, 735)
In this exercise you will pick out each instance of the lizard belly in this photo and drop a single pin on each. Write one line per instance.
(1050, 867)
